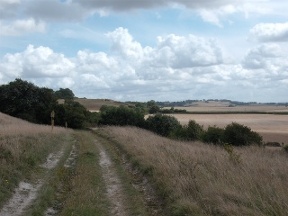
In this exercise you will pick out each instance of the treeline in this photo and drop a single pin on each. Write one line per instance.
(27, 101)
(169, 126)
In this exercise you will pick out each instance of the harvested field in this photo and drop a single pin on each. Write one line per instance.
(226, 108)
(271, 127)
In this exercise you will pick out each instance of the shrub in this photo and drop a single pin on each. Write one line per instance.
(121, 116)
(194, 130)
(213, 135)
(285, 148)
(163, 125)
(240, 135)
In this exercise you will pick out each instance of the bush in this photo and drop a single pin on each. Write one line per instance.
(163, 125)
(194, 131)
(240, 135)
(213, 135)
(285, 148)
(121, 116)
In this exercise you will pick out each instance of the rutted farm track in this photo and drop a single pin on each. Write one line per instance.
(86, 177)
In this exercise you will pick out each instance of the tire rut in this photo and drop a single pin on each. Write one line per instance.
(113, 183)
(26, 192)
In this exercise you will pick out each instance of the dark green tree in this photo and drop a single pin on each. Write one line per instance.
(240, 135)
(64, 94)
(72, 112)
(122, 115)
(213, 135)
(163, 125)
(25, 100)
(152, 107)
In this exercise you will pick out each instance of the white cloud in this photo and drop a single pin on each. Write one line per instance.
(176, 68)
(36, 62)
(20, 27)
(267, 32)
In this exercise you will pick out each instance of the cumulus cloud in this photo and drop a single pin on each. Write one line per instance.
(270, 32)
(267, 61)
(19, 27)
(177, 67)
(36, 63)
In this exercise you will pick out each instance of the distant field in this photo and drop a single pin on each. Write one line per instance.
(222, 108)
(271, 127)
(94, 105)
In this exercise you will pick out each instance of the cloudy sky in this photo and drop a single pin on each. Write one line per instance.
(149, 49)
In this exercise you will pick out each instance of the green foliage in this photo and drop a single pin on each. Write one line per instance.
(72, 112)
(25, 100)
(240, 135)
(121, 116)
(213, 135)
(162, 124)
(194, 130)
(64, 94)
(233, 156)
(153, 107)
(285, 148)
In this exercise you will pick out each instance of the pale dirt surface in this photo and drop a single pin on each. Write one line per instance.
(113, 184)
(22, 198)
(26, 192)
(271, 127)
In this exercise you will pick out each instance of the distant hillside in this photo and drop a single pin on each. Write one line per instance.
(95, 104)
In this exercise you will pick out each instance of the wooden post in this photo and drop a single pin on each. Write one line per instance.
(52, 119)
(66, 124)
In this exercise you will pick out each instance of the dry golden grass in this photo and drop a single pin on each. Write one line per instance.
(23, 146)
(14, 126)
(200, 179)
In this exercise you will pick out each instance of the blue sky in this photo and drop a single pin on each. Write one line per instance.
(142, 50)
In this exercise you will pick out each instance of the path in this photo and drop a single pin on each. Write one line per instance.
(113, 184)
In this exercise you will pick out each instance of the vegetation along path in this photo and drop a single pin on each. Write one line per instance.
(87, 176)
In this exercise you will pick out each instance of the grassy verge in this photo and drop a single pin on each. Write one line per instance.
(20, 157)
(199, 179)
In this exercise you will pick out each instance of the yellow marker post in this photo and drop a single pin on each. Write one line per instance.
(52, 119)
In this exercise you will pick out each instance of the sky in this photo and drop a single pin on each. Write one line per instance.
(140, 50)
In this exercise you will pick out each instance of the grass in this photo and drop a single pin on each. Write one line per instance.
(87, 194)
(23, 146)
(133, 200)
(199, 179)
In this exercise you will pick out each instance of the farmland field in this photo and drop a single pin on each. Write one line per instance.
(225, 108)
(271, 127)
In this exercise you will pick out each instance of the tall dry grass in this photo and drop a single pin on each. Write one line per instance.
(14, 126)
(23, 146)
(200, 179)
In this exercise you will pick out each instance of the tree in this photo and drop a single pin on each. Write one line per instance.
(64, 94)
(152, 107)
(25, 100)
(163, 125)
(75, 114)
(213, 135)
(122, 115)
(240, 135)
